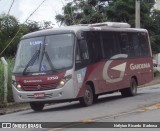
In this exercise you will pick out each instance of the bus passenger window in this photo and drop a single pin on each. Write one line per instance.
(144, 45)
(136, 44)
(108, 40)
(94, 46)
(124, 43)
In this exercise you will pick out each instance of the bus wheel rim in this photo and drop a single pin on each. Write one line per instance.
(88, 96)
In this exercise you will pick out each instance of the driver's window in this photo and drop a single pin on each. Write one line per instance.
(78, 58)
(83, 50)
(82, 56)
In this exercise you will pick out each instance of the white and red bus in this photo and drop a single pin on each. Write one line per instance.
(80, 63)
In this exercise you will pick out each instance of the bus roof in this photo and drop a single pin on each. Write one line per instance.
(105, 26)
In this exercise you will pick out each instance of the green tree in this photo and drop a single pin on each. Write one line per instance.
(45, 24)
(82, 12)
(94, 11)
(124, 11)
(32, 26)
(9, 26)
(155, 31)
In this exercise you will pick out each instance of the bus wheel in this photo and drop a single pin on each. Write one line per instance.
(130, 91)
(95, 98)
(36, 106)
(87, 99)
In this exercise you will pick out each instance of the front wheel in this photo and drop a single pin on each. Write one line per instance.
(87, 99)
(130, 91)
(36, 106)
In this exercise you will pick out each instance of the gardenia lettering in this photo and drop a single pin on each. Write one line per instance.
(139, 66)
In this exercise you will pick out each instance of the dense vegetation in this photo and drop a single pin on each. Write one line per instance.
(10, 96)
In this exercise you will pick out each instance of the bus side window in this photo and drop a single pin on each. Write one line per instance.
(94, 46)
(82, 56)
(78, 58)
(109, 44)
(83, 50)
(144, 44)
(124, 43)
(136, 44)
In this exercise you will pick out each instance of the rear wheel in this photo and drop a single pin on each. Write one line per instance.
(87, 99)
(130, 91)
(36, 106)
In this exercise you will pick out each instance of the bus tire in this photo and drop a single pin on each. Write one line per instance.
(130, 91)
(36, 106)
(95, 98)
(87, 99)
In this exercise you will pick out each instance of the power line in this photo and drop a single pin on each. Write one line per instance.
(20, 27)
(34, 11)
(10, 7)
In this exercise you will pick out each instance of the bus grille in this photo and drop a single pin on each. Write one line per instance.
(40, 87)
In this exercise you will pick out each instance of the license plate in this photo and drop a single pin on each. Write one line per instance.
(39, 95)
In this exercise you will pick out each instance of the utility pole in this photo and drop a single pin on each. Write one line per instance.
(137, 12)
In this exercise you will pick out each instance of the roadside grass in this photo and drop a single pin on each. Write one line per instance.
(1, 82)
(10, 95)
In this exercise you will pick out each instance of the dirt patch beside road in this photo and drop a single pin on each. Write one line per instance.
(154, 82)
(14, 107)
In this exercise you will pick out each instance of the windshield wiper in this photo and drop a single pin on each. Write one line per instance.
(32, 60)
(49, 61)
(44, 53)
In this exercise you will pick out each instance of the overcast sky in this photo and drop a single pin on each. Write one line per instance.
(157, 5)
(21, 9)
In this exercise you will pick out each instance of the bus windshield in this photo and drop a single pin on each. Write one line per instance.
(41, 54)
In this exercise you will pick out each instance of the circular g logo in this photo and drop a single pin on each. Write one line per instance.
(120, 68)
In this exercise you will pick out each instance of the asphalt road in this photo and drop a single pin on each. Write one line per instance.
(144, 107)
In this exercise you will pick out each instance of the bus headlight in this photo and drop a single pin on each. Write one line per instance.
(17, 85)
(64, 81)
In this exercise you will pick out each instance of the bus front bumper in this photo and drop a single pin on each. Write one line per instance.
(64, 93)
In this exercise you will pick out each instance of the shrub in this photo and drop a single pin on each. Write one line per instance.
(156, 71)
(1, 82)
(10, 68)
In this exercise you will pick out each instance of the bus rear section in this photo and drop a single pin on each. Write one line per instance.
(81, 63)
(116, 59)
